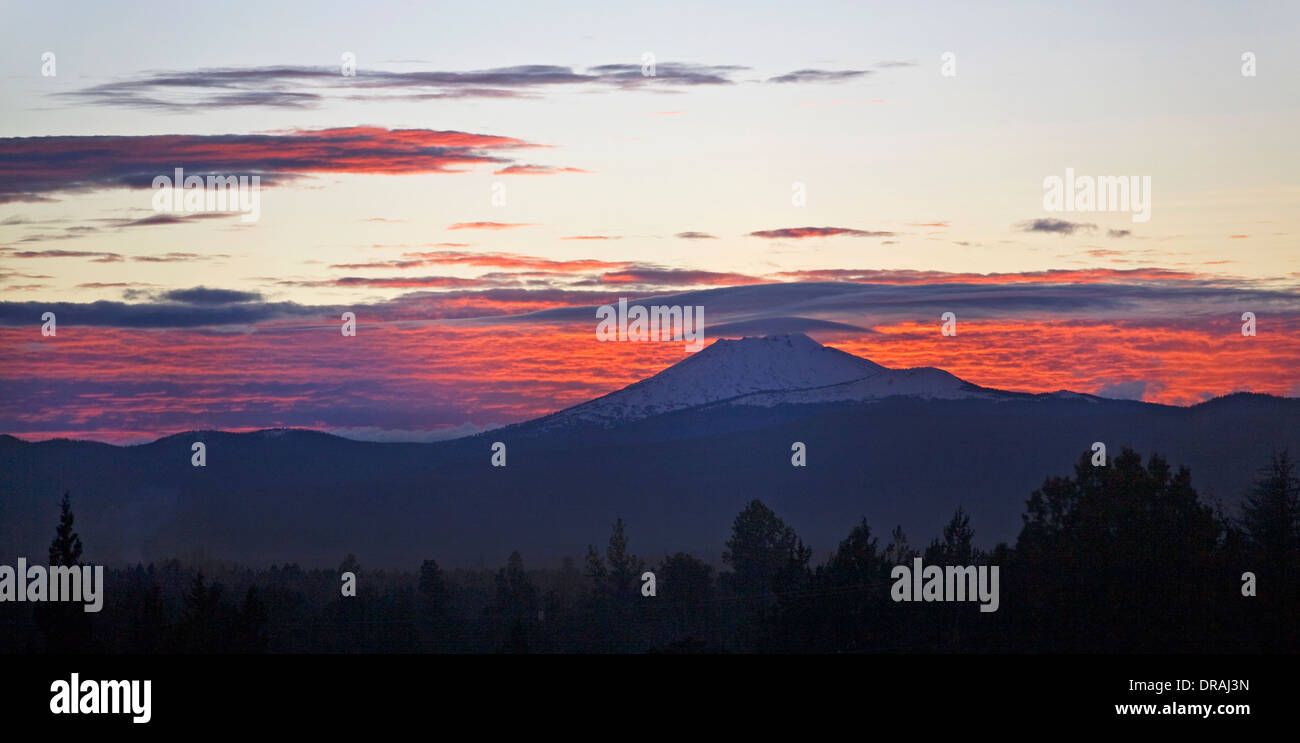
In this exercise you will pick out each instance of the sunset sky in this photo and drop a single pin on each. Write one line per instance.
(494, 171)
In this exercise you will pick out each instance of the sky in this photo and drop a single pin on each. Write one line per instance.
(491, 173)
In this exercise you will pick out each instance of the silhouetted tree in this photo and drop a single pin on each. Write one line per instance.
(1271, 518)
(898, 552)
(1113, 543)
(957, 547)
(852, 584)
(149, 625)
(432, 584)
(202, 625)
(766, 556)
(1271, 524)
(250, 624)
(625, 568)
(350, 565)
(65, 549)
(949, 622)
(684, 585)
(685, 580)
(597, 573)
(439, 618)
(516, 603)
(65, 624)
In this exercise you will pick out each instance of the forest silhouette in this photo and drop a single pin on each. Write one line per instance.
(1122, 558)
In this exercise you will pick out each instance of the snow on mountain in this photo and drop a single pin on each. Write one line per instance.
(924, 382)
(766, 371)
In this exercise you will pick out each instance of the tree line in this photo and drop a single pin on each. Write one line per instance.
(1121, 558)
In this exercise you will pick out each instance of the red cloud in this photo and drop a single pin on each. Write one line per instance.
(489, 260)
(512, 370)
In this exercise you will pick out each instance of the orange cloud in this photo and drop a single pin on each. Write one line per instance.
(536, 170)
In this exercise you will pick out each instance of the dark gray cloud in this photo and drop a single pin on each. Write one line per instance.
(781, 325)
(178, 257)
(800, 233)
(819, 76)
(695, 236)
(147, 309)
(205, 296)
(1056, 226)
(303, 87)
(671, 73)
(297, 87)
(1164, 301)
(1119, 233)
(154, 314)
(160, 218)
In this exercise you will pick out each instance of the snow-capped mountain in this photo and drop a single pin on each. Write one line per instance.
(763, 371)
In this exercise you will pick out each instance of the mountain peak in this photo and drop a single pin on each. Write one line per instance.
(776, 361)
(790, 340)
(762, 370)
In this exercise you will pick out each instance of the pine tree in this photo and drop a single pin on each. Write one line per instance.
(1271, 517)
(625, 568)
(516, 603)
(65, 624)
(1271, 522)
(199, 628)
(150, 619)
(854, 581)
(597, 573)
(1109, 544)
(432, 585)
(250, 624)
(65, 550)
(765, 554)
(898, 552)
(958, 539)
